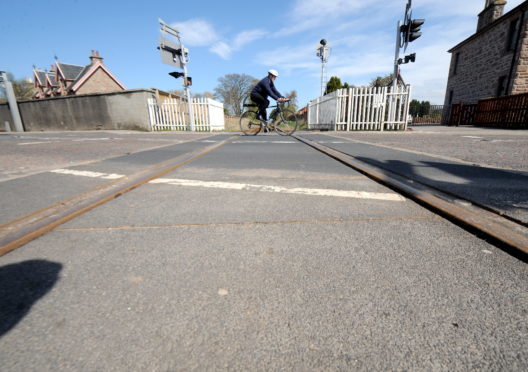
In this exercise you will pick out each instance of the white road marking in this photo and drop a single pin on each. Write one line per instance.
(33, 143)
(90, 139)
(475, 137)
(73, 172)
(280, 189)
(246, 186)
(263, 141)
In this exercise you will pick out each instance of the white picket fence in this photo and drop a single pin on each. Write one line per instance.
(363, 108)
(173, 114)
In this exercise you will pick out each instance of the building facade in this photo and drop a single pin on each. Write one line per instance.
(492, 62)
(65, 79)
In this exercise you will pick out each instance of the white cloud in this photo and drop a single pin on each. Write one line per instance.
(222, 49)
(196, 32)
(225, 49)
(199, 32)
(246, 37)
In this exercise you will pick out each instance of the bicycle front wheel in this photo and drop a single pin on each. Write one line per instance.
(286, 123)
(249, 123)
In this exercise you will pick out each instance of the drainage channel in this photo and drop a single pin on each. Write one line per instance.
(21, 231)
(485, 223)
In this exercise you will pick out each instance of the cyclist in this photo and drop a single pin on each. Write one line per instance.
(264, 89)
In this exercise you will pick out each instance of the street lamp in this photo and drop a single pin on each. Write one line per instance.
(323, 52)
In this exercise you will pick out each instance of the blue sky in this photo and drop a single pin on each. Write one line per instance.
(232, 36)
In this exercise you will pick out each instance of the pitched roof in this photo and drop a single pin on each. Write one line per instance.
(80, 75)
(52, 79)
(41, 77)
(90, 70)
(69, 72)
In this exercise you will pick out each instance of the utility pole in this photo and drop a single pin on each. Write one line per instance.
(11, 99)
(177, 55)
(397, 56)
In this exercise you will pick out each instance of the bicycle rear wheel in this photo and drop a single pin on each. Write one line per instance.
(249, 123)
(286, 123)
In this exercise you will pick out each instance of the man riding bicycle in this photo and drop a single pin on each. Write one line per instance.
(264, 89)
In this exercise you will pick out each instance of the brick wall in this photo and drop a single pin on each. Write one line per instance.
(99, 82)
(482, 61)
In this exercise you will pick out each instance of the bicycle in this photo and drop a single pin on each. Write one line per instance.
(284, 121)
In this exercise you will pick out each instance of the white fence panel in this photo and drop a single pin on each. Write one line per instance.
(216, 114)
(173, 114)
(324, 114)
(363, 108)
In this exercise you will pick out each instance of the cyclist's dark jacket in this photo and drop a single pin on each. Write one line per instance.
(266, 88)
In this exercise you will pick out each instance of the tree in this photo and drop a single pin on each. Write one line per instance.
(425, 108)
(382, 81)
(292, 96)
(333, 84)
(23, 88)
(414, 108)
(205, 94)
(233, 90)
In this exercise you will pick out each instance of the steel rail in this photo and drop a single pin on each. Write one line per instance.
(468, 215)
(22, 230)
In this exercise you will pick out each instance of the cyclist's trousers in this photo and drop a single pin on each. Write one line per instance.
(262, 104)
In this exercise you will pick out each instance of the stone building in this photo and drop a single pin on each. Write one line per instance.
(492, 62)
(65, 79)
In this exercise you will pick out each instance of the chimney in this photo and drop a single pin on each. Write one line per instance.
(493, 9)
(95, 57)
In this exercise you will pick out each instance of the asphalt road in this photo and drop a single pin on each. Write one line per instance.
(476, 176)
(262, 255)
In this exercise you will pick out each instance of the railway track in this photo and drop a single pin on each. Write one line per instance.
(503, 232)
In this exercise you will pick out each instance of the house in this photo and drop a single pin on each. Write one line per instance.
(492, 62)
(67, 79)
(45, 83)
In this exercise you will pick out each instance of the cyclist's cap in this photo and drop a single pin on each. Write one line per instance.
(273, 72)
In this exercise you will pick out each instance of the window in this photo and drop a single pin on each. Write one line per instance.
(513, 34)
(501, 86)
(450, 97)
(455, 67)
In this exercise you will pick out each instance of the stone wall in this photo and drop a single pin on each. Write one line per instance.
(5, 115)
(520, 77)
(126, 110)
(482, 61)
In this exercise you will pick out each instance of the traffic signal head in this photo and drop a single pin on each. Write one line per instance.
(189, 81)
(413, 30)
(410, 58)
(176, 74)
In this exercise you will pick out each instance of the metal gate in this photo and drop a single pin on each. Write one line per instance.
(363, 108)
(173, 114)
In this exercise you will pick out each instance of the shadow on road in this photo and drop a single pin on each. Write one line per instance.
(499, 189)
(21, 286)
